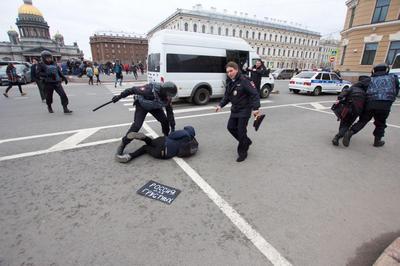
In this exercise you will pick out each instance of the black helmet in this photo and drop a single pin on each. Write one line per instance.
(168, 89)
(45, 54)
(381, 68)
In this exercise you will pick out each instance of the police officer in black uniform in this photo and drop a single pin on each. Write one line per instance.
(245, 99)
(381, 94)
(257, 72)
(51, 75)
(150, 98)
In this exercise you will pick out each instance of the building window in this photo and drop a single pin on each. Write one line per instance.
(280, 39)
(263, 51)
(343, 55)
(284, 52)
(253, 35)
(240, 33)
(203, 29)
(273, 53)
(195, 27)
(234, 33)
(227, 32)
(393, 50)
(186, 27)
(219, 30)
(279, 52)
(353, 12)
(276, 37)
(369, 53)
(269, 51)
(285, 38)
(270, 37)
(295, 40)
(258, 50)
(247, 34)
(259, 35)
(265, 36)
(212, 30)
(381, 10)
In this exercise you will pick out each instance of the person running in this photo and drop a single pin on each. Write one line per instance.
(118, 73)
(13, 79)
(97, 74)
(89, 73)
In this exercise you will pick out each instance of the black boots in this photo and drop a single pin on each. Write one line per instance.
(335, 140)
(347, 137)
(378, 142)
(242, 157)
(120, 149)
(50, 109)
(66, 110)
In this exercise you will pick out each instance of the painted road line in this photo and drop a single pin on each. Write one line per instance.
(74, 140)
(256, 238)
(319, 106)
(331, 113)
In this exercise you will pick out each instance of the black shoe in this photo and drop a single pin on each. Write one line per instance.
(335, 140)
(50, 109)
(5, 94)
(123, 158)
(378, 142)
(241, 157)
(67, 111)
(120, 149)
(347, 137)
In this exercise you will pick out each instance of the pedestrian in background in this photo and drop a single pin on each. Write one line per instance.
(118, 73)
(89, 73)
(13, 79)
(97, 74)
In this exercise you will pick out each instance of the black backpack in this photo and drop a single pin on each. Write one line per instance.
(188, 149)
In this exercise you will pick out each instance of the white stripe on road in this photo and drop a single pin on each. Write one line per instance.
(73, 140)
(256, 238)
(319, 106)
(326, 112)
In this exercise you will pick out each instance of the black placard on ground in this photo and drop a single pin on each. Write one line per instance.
(157, 191)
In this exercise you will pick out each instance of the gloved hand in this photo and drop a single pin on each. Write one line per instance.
(116, 98)
(66, 81)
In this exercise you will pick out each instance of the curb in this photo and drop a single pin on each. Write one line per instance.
(391, 255)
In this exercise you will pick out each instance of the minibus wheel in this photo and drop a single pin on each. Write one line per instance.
(201, 96)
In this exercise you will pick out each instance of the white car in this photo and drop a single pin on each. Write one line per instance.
(317, 82)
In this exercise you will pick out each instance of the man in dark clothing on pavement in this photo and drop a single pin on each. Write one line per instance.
(354, 100)
(35, 78)
(51, 76)
(151, 98)
(381, 94)
(245, 99)
(257, 72)
(181, 143)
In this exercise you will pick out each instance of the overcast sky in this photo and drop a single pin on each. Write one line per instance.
(78, 19)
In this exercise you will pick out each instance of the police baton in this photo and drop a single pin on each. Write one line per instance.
(97, 108)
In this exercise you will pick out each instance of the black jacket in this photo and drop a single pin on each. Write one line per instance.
(34, 76)
(147, 92)
(243, 95)
(356, 95)
(257, 75)
(382, 105)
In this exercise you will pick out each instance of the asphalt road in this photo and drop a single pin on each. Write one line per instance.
(296, 200)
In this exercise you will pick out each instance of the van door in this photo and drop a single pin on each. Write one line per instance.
(242, 58)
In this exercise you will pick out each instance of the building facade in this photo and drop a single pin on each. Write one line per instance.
(110, 46)
(328, 53)
(371, 35)
(34, 37)
(279, 45)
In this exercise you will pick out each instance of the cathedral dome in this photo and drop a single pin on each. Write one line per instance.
(28, 9)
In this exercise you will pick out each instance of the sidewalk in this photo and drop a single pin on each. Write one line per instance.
(391, 255)
(107, 78)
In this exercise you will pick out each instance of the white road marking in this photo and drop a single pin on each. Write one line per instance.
(74, 140)
(319, 106)
(330, 113)
(256, 238)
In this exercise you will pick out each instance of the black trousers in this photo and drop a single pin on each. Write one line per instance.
(42, 92)
(345, 124)
(11, 85)
(153, 147)
(237, 126)
(140, 115)
(379, 116)
(49, 88)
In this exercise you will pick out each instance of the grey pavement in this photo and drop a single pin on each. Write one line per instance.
(314, 203)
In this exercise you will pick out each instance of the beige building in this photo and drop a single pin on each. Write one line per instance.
(371, 35)
(280, 45)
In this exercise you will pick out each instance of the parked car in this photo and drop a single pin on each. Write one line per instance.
(23, 70)
(284, 73)
(317, 82)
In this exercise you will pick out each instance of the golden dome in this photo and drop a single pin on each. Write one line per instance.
(28, 9)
